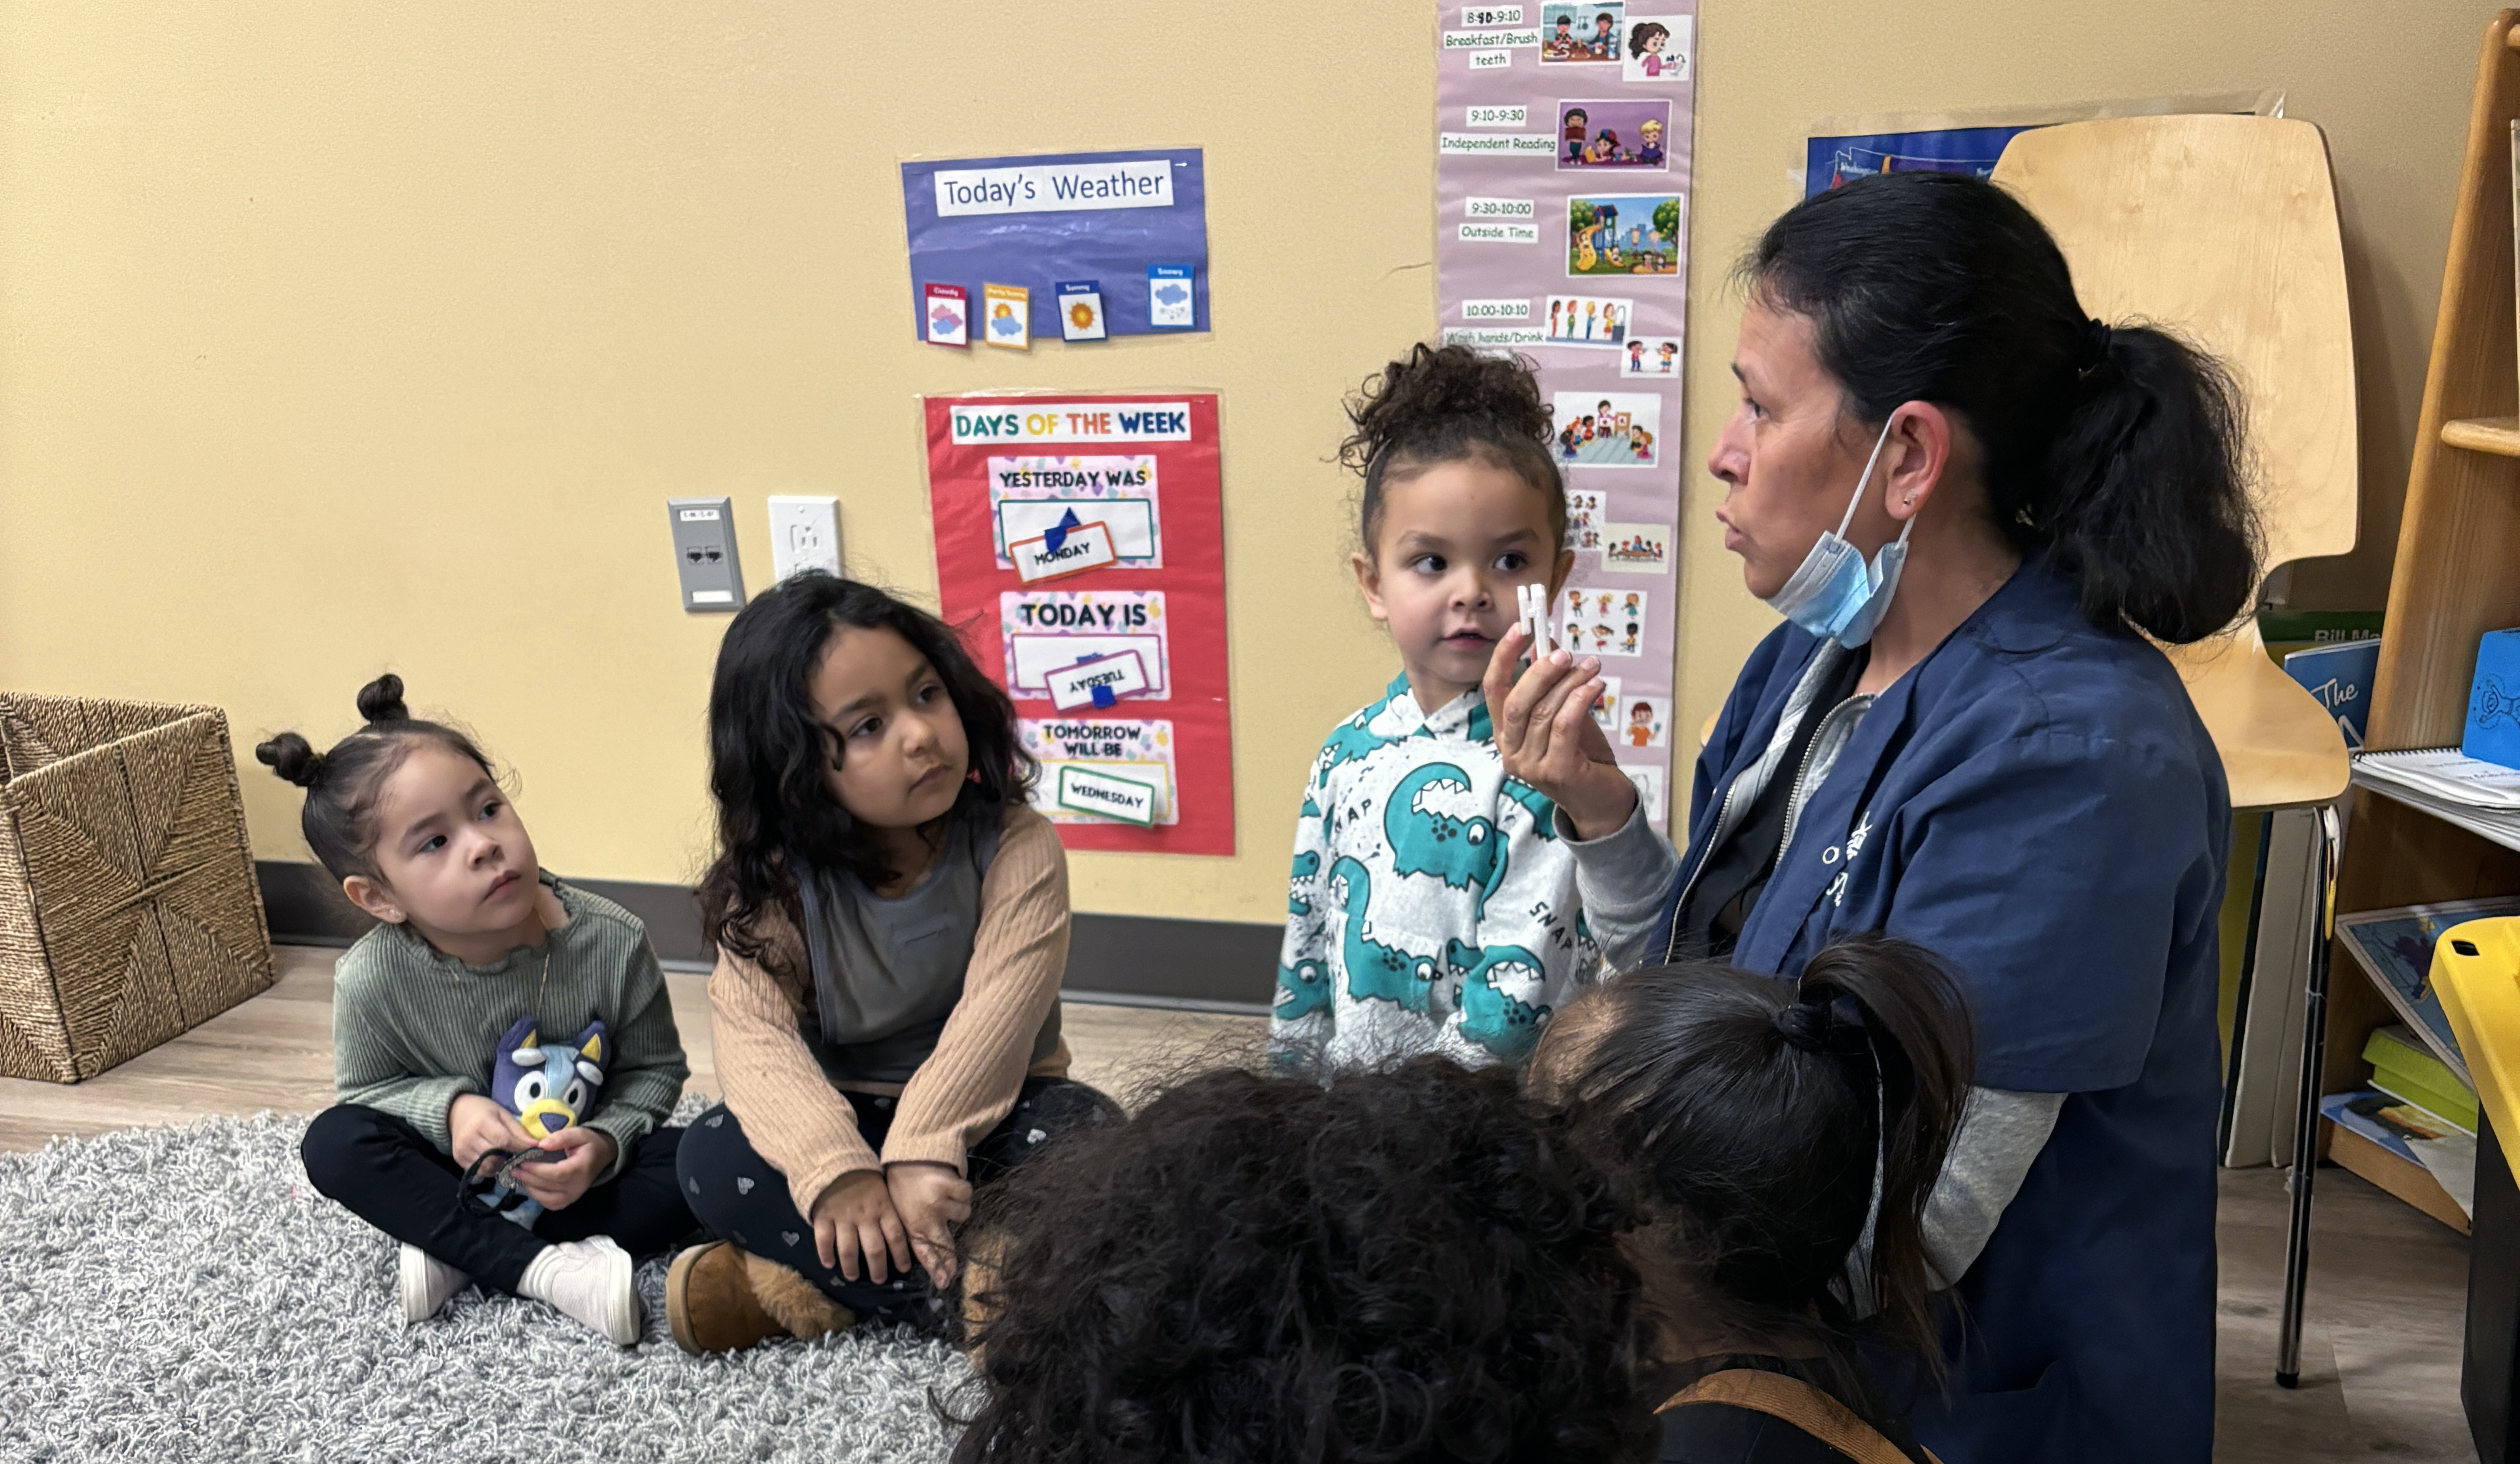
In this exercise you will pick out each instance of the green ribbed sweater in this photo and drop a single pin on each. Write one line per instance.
(413, 1027)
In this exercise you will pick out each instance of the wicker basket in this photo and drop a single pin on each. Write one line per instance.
(129, 911)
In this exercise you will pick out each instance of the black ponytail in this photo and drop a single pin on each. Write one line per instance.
(342, 785)
(2120, 450)
(1747, 1116)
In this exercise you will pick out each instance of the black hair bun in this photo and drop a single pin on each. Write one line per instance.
(293, 757)
(380, 700)
(1438, 387)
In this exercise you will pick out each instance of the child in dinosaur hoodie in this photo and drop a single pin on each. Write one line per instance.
(1432, 905)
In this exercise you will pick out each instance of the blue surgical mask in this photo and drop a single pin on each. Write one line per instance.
(1835, 593)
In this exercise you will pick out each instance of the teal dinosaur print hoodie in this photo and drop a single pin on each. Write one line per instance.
(1432, 907)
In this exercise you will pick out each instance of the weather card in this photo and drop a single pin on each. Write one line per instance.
(1136, 752)
(1006, 316)
(1634, 548)
(1580, 35)
(948, 315)
(1588, 320)
(1028, 496)
(1170, 303)
(1603, 622)
(1606, 428)
(1624, 233)
(1046, 630)
(1611, 135)
(1653, 357)
(1657, 48)
(1080, 310)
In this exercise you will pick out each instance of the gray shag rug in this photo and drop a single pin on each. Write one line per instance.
(182, 1293)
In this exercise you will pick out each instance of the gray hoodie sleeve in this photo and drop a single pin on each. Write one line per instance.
(1623, 878)
(2000, 1134)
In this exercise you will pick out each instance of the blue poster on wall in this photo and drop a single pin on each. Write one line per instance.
(1128, 230)
(1829, 161)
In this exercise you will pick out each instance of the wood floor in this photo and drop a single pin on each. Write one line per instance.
(2387, 1291)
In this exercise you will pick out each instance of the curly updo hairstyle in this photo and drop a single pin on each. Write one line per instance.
(2118, 448)
(1405, 1264)
(1450, 404)
(342, 785)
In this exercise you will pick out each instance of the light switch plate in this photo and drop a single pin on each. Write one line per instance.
(804, 534)
(705, 562)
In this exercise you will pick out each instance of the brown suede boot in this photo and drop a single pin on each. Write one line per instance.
(794, 1303)
(710, 1303)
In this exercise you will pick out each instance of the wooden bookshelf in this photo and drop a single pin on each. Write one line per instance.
(2455, 579)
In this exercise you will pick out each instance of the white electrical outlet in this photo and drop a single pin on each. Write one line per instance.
(804, 534)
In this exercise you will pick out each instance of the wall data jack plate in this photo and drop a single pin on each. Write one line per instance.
(804, 534)
(711, 576)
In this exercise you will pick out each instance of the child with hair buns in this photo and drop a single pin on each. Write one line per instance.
(472, 935)
(1433, 905)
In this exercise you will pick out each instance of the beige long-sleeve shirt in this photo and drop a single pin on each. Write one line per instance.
(799, 1122)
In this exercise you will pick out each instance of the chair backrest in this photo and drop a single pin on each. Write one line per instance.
(2223, 230)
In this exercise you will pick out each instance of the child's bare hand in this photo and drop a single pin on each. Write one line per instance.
(931, 1199)
(476, 1125)
(559, 1183)
(855, 1217)
(1546, 735)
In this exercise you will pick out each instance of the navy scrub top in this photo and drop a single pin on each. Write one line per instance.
(2038, 803)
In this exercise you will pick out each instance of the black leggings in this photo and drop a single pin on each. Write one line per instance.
(388, 1173)
(740, 1195)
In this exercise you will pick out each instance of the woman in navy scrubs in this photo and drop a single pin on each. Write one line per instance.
(1968, 499)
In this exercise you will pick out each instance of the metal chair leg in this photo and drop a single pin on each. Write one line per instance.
(2305, 1136)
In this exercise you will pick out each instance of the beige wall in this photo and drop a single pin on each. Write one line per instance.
(334, 340)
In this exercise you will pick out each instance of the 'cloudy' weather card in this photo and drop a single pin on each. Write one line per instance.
(948, 315)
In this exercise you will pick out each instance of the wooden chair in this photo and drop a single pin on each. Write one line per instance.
(2223, 230)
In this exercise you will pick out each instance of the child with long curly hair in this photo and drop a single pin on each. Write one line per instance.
(1409, 1264)
(890, 916)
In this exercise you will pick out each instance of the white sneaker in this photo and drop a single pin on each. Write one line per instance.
(591, 1280)
(426, 1282)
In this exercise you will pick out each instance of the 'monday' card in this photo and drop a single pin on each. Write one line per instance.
(949, 320)
(1080, 310)
(1069, 547)
(1007, 316)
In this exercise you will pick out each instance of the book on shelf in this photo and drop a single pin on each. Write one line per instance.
(2481, 797)
(2394, 949)
(2339, 675)
(2412, 1134)
(2407, 1069)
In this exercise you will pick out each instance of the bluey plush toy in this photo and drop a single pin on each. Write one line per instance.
(548, 1087)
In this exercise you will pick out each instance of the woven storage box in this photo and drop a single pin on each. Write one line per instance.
(129, 911)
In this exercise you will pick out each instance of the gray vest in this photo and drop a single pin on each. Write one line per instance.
(887, 972)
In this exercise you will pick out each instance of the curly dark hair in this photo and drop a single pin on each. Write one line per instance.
(1450, 404)
(342, 785)
(1748, 1113)
(1409, 1264)
(769, 754)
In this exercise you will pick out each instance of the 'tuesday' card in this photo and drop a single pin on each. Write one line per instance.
(1098, 683)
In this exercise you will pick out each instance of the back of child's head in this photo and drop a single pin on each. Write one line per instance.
(1410, 1263)
(1748, 1114)
(1451, 404)
(770, 752)
(343, 785)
